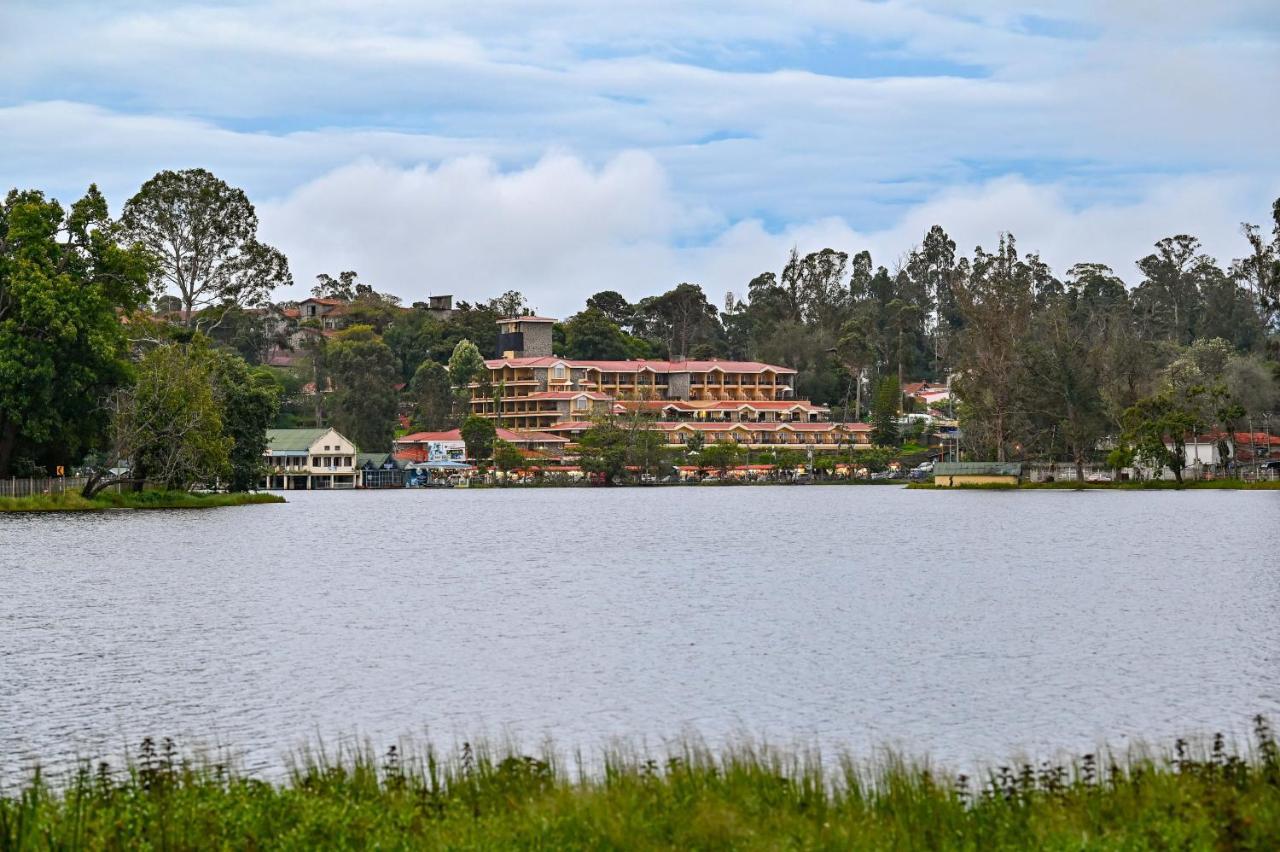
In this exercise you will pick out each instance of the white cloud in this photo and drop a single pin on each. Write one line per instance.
(560, 230)
(698, 140)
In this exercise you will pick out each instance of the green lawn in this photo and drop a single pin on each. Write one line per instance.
(1206, 797)
(73, 502)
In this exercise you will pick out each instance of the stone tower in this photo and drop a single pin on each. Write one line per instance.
(524, 337)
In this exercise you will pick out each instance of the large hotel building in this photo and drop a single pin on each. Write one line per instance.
(531, 389)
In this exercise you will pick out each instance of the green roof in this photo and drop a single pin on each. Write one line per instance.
(378, 459)
(292, 440)
(977, 469)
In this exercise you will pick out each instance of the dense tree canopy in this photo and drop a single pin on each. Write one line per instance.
(365, 396)
(65, 283)
(203, 237)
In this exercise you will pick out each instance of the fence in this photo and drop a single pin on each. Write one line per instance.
(14, 487)
(1064, 472)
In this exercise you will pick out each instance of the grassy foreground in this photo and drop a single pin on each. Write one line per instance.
(73, 502)
(1206, 797)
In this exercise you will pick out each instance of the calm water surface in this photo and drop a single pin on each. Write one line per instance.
(960, 625)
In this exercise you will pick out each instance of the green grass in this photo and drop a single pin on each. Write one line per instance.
(1195, 797)
(73, 502)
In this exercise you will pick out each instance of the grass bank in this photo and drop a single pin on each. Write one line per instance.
(1151, 485)
(73, 502)
(1195, 797)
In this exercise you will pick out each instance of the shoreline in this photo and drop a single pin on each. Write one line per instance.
(73, 502)
(1149, 485)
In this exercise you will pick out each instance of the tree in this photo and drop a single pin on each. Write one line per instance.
(203, 236)
(1168, 300)
(884, 413)
(680, 318)
(510, 304)
(466, 365)
(602, 451)
(614, 306)
(933, 267)
(248, 401)
(591, 335)
(364, 400)
(432, 396)
(478, 434)
(1261, 269)
(343, 287)
(63, 277)
(506, 458)
(646, 448)
(995, 299)
(414, 337)
(1062, 392)
(1157, 427)
(720, 456)
(168, 425)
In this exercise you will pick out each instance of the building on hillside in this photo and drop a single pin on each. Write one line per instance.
(441, 307)
(958, 474)
(331, 313)
(927, 394)
(529, 388)
(310, 459)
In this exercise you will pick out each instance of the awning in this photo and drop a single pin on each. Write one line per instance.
(439, 465)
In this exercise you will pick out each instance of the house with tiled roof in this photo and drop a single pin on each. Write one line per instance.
(529, 387)
(310, 459)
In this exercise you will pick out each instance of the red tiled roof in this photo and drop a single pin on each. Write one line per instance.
(596, 395)
(512, 436)
(429, 437)
(1242, 438)
(570, 426)
(723, 405)
(727, 426)
(509, 435)
(637, 366)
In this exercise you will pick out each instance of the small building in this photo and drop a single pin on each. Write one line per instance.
(299, 459)
(958, 474)
(431, 447)
(380, 470)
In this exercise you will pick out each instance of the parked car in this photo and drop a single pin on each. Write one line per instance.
(1098, 477)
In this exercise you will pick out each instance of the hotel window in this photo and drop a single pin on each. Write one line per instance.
(558, 371)
(581, 402)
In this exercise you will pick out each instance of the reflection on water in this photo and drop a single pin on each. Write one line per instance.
(958, 624)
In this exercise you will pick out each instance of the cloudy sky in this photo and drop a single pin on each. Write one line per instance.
(561, 148)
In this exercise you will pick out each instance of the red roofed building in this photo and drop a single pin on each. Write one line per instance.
(449, 446)
(529, 387)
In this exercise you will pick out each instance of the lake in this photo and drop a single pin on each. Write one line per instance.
(955, 624)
